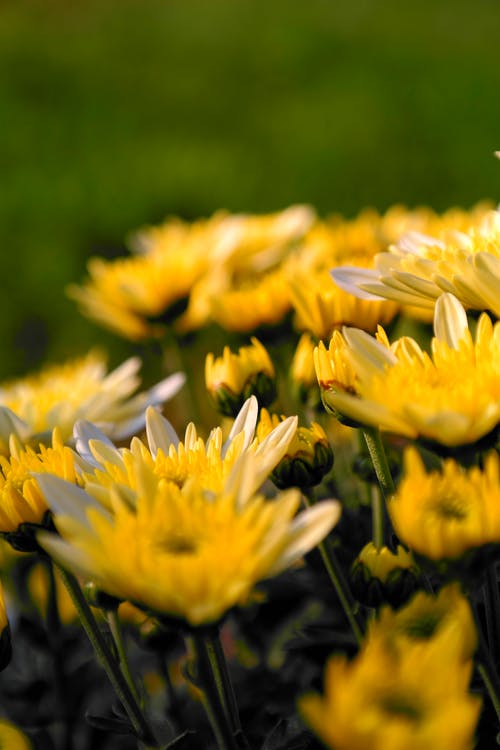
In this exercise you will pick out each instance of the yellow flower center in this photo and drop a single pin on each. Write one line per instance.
(400, 706)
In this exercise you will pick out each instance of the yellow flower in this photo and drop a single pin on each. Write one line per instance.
(21, 500)
(210, 462)
(333, 368)
(444, 514)
(420, 268)
(136, 296)
(182, 552)
(33, 406)
(322, 307)
(232, 378)
(446, 618)
(12, 738)
(390, 699)
(451, 397)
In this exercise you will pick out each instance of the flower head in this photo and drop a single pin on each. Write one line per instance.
(170, 459)
(442, 618)
(21, 500)
(418, 269)
(59, 395)
(391, 699)
(379, 575)
(182, 552)
(445, 514)
(232, 378)
(451, 397)
(12, 737)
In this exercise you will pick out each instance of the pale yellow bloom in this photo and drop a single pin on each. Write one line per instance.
(418, 269)
(182, 552)
(59, 395)
(451, 397)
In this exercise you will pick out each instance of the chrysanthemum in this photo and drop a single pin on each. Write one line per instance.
(21, 500)
(451, 397)
(443, 514)
(322, 307)
(443, 618)
(173, 460)
(59, 395)
(182, 552)
(420, 268)
(232, 378)
(391, 699)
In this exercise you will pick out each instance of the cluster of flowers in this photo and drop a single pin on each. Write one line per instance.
(185, 529)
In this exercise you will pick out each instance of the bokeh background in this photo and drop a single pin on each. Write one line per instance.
(117, 113)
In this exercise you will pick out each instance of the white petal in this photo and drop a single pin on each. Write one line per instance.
(83, 432)
(244, 422)
(165, 389)
(160, 433)
(450, 320)
(66, 498)
(351, 279)
(308, 529)
(68, 557)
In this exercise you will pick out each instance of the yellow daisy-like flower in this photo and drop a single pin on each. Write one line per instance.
(12, 738)
(420, 268)
(21, 500)
(445, 618)
(451, 397)
(322, 307)
(210, 462)
(182, 552)
(59, 395)
(379, 575)
(390, 699)
(135, 296)
(443, 514)
(232, 378)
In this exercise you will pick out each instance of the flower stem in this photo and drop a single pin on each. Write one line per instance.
(210, 682)
(105, 657)
(336, 576)
(379, 460)
(117, 633)
(378, 516)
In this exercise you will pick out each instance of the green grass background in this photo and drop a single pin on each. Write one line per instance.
(115, 113)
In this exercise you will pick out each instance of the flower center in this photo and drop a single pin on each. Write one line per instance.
(398, 706)
(422, 627)
(177, 544)
(451, 508)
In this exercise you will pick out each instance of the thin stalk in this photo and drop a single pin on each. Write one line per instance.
(224, 685)
(117, 633)
(211, 690)
(379, 460)
(105, 657)
(337, 578)
(53, 621)
(378, 517)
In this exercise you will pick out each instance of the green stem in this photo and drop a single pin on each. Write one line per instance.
(213, 702)
(54, 637)
(117, 633)
(337, 577)
(105, 657)
(379, 460)
(378, 517)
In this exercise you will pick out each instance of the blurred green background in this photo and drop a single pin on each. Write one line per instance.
(116, 113)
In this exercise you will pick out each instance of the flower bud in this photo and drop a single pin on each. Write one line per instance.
(233, 378)
(379, 576)
(308, 458)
